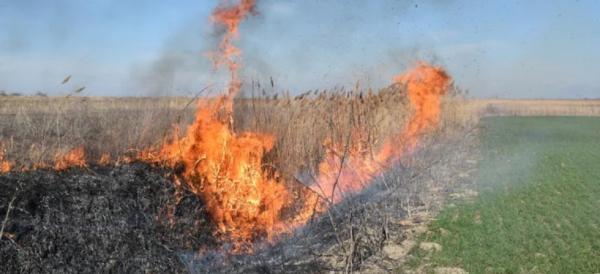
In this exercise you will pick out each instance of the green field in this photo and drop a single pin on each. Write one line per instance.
(538, 209)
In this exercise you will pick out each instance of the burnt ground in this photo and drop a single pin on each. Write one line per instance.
(125, 219)
(130, 219)
(118, 219)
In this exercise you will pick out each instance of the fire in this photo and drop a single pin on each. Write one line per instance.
(245, 197)
(104, 159)
(5, 165)
(74, 158)
(349, 170)
(426, 86)
(227, 171)
(230, 18)
(346, 168)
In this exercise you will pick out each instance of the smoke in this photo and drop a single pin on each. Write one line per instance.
(189, 59)
(172, 73)
(179, 67)
(300, 45)
(323, 44)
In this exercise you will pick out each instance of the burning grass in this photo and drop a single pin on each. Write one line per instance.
(288, 163)
(39, 130)
(241, 173)
(246, 200)
(320, 175)
(265, 177)
(280, 168)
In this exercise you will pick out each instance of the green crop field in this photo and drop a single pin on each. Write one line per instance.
(538, 208)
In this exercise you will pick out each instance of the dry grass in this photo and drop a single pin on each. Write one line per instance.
(307, 124)
(37, 129)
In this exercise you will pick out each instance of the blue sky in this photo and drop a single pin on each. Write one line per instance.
(509, 49)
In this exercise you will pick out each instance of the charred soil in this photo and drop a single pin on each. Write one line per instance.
(124, 219)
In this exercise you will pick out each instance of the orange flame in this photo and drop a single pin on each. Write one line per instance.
(104, 159)
(72, 159)
(350, 170)
(344, 170)
(5, 165)
(426, 86)
(230, 17)
(243, 199)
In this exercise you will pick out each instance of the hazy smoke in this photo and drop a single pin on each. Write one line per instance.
(322, 44)
(180, 67)
(300, 45)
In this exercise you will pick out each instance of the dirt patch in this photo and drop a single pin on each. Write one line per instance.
(449, 270)
(125, 219)
(430, 246)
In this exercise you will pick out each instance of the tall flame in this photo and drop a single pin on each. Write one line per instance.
(242, 197)
(230, 18)
(426, 85)
(348, 170)
(226, 170)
